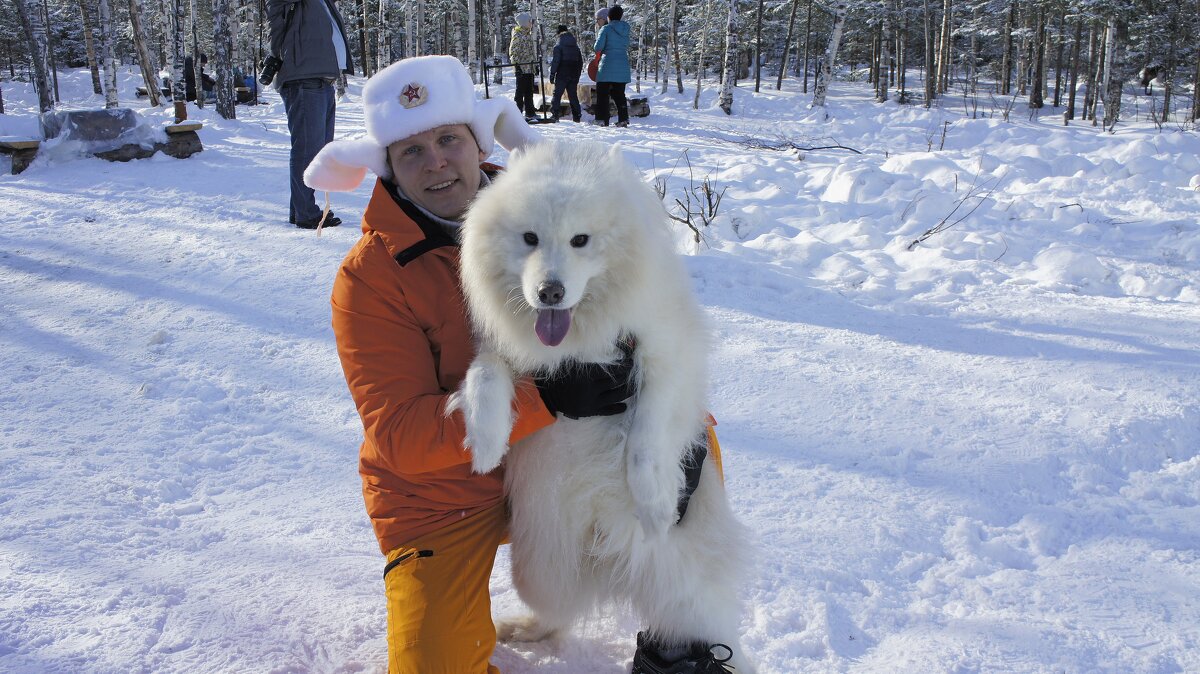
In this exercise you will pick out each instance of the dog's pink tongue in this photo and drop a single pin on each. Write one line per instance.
(552, 325)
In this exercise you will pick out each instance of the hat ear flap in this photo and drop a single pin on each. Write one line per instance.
(340, 166)
(498, 119)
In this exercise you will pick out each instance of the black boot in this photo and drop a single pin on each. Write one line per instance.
(699, 659)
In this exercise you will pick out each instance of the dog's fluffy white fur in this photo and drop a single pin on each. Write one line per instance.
(594, 500)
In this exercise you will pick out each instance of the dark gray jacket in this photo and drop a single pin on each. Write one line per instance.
(567, 58)
(306, 47)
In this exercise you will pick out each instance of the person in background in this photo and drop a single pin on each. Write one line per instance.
(522, 51)
(308, 43)
(405, 343)
(565, 68)
(208, 84)
(612, 46)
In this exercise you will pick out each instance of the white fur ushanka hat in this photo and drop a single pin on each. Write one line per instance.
(410, 97)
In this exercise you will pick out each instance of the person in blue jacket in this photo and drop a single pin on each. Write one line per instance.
(612, 45)
(565, 69)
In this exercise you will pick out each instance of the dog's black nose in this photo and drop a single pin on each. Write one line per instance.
(550, 293)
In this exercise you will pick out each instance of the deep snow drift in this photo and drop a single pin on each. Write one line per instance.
(978, 455)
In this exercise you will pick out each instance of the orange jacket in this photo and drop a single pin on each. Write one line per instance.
(405, 344)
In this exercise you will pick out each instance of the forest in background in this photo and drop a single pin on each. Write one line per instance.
(1075, 55)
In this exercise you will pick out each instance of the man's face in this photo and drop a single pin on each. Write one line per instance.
(438, 169)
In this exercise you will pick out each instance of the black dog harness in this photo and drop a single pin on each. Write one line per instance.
(693, 465)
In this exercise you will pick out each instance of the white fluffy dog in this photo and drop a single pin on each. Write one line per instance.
(594, 501)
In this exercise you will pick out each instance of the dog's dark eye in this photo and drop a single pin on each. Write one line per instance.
(531, 238)
(579, 240)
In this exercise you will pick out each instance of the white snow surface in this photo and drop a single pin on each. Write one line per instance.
(978, 455)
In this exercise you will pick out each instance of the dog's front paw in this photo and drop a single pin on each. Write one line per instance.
(655, 491)
(486, 455)
(525, 628)
(485, 400)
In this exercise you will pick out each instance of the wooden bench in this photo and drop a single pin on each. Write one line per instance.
(182, 140)
(639, 106)
(20, 150)
(243, 95)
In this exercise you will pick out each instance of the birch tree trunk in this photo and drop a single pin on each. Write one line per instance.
(222, 60)
(654, 44)
(821, 88)
(943, 61)
(930, 84)
(472, 57)
(196, 65)
(145, 60)
(166, 23)
(885, 39)
(1058, 59)
(108, 55)
(973, 60)
(30, 14)
(1006, 57)
(902, 61)
(1093, 73)
(1113, 76)
(362, 38)
(758, 21)
(1023, 57)
(703, 49)
(641, 57)
(807, 36)
(675, 48)
(1070, 112)
(1168, 80)
(1110, 41)
(178, 89)
(1039, 62)
(499, 44)
(1098, 77)
(90, 44)
(50, 49)
(237, 13)
(1196, 78)
(729, 68)
(787, 46)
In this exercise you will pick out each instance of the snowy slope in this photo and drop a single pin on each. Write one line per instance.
(979, 455)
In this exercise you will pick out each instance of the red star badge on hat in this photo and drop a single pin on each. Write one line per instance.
(413, 95)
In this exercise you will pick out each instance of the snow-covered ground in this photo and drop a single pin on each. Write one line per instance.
(978, 455)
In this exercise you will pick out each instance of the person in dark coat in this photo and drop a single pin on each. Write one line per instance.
(565, 69)
(208, 84)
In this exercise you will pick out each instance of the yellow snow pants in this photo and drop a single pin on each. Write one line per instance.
(439, 618)
(439, 608)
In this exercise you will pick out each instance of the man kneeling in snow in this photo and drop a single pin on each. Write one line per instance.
(405, 344)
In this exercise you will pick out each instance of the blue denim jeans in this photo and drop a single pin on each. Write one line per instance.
(310, 111)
